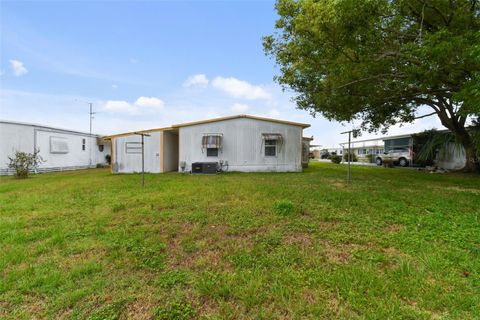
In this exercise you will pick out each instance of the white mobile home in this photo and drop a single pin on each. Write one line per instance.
(60, 149)
(237, 143)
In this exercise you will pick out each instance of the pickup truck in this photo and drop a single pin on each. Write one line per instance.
(400, 156)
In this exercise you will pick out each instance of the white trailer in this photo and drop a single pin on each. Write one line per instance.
(237, 143)
(60, 149)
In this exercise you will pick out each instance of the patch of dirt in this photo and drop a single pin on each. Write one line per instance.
(301, 239)
(34, 305)
(333, 304)
(342, 253)
(138, 310)
(393, 228)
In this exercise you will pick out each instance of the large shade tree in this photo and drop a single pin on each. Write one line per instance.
(382, 61)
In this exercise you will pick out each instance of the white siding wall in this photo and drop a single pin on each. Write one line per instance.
(127, 162)
(27, 138)
(243, 145)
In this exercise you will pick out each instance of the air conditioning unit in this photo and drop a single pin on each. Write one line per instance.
(204, 167)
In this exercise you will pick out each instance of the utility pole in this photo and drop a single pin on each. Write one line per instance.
(91, 113)
(143, 154)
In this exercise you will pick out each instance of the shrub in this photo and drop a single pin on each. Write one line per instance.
(335, 159)
(23, 162)
(284, 207)
(108, 159)
(353, 157)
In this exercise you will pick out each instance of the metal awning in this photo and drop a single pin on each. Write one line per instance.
(212, 140)
(272, 136)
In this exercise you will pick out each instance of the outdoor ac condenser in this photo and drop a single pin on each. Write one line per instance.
(204, 167)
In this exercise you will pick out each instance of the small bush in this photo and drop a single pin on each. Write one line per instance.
(284, 207)
(353, 157)
(177, 310)
(23, 162)
(335, 159)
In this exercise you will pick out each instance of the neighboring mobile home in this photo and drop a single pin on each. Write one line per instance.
(60, 149)
(236, 143)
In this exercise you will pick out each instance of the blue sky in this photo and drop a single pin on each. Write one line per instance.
(144, 65)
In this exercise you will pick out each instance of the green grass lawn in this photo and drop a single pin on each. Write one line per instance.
(394, 244)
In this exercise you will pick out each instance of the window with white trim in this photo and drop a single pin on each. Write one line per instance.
(270, 148)
(272, 142)
(133, 147)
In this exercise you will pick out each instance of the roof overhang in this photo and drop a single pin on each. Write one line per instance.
(186, 124)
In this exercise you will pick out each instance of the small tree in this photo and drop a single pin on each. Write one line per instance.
(335, 159)
(23, 162)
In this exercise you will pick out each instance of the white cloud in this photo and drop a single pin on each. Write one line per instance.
(18, 68)
(119, 106)
(239, 108)
(141, 104)
(240, 89)
(149, 102)
(196, 80)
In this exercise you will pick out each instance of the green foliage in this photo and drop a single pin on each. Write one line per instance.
(176, 310)
(352, 156)
(284, 207)
(335, 159)
(431, 142)
(381, 61)
(23, 162)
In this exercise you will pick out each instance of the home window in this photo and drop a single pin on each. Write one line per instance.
(58, 145)
(270, 148)
(212, 152)
(133, 147)
(84, 142)
(100, 147)
(212, 142)
(272, 143)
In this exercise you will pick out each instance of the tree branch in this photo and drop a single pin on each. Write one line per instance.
(425, 115)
